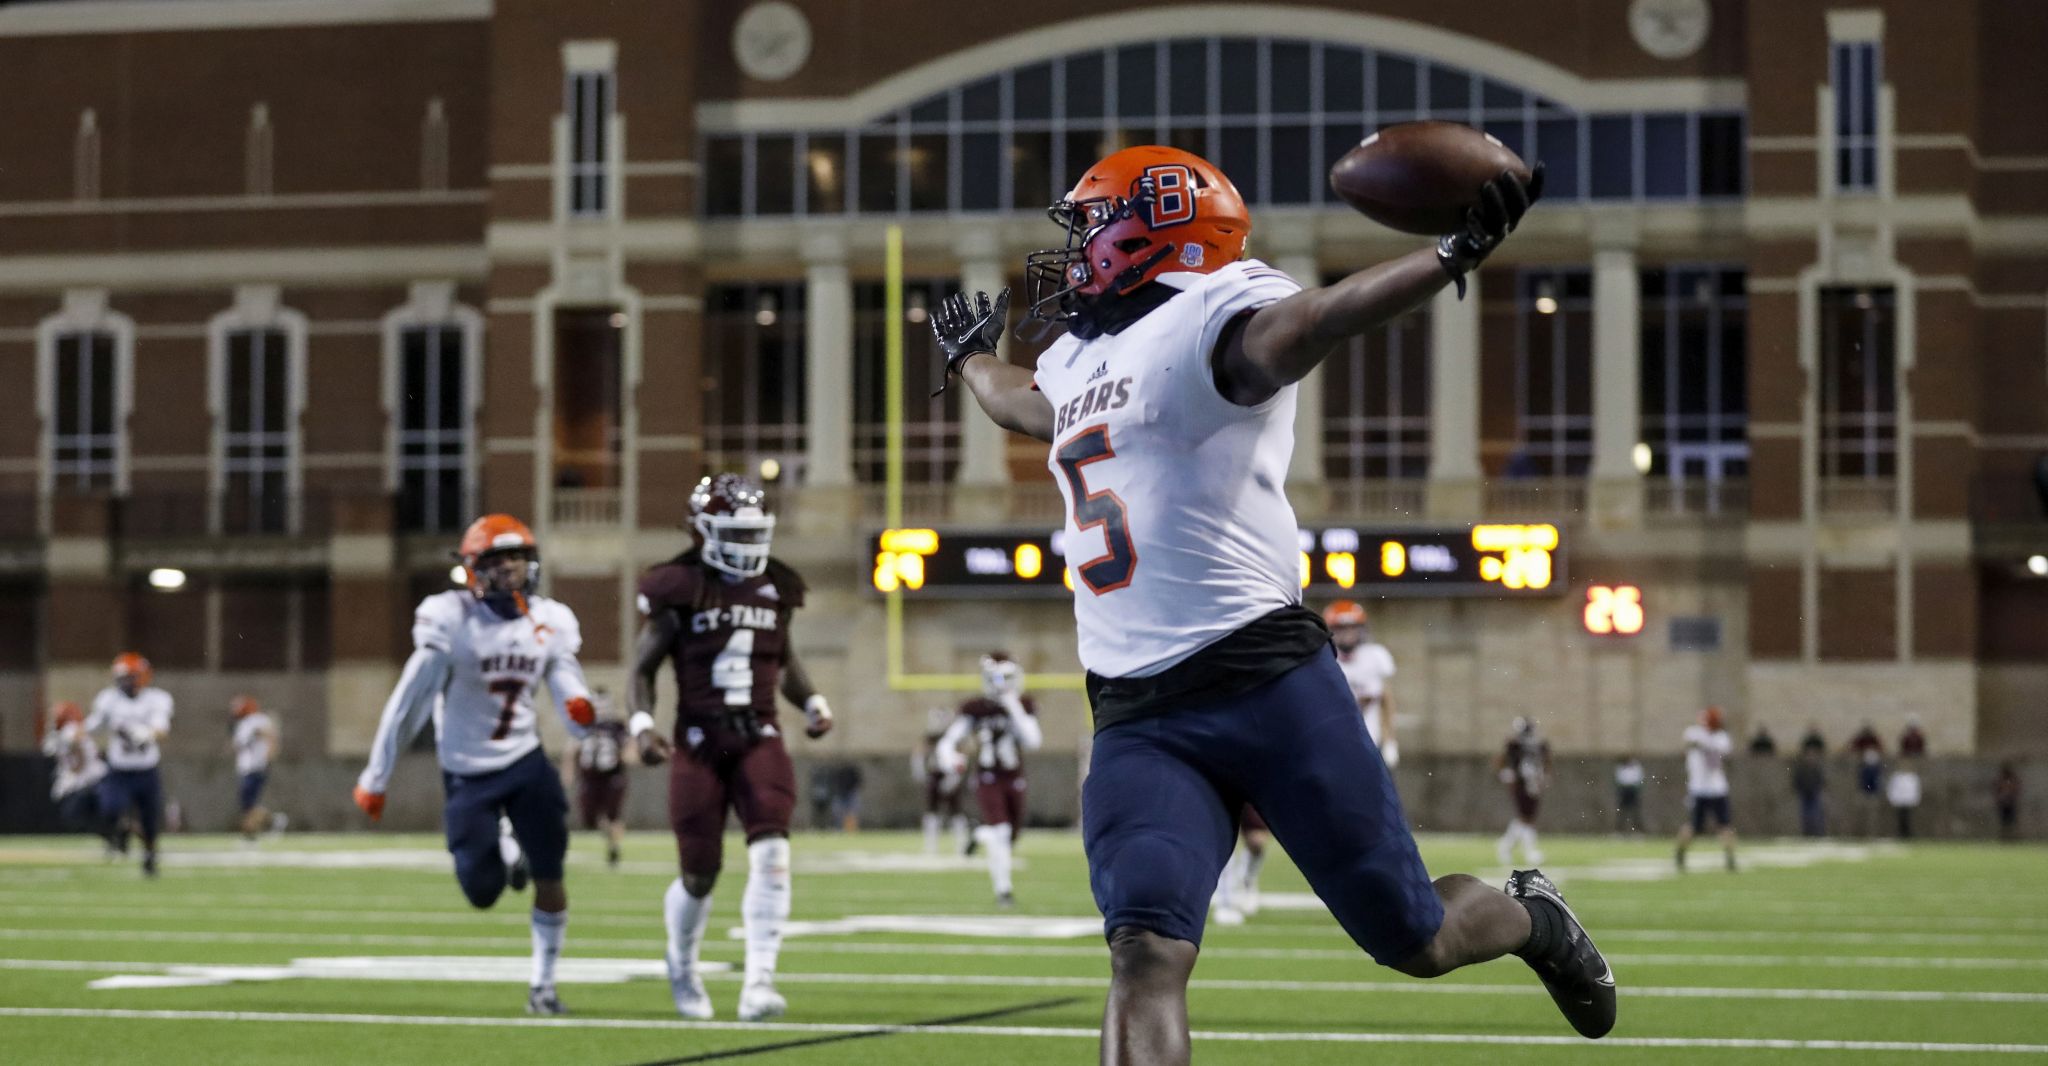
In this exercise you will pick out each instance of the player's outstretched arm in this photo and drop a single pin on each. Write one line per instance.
(1005, 392)
(405, 713)
(650, 650)
(1023, 724)
(1278, 344)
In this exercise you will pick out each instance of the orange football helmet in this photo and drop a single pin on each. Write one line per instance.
(1347, 624)
(493, 535)
(128, 664)
(64, 712)
(1711, 718)
(1135, 215)
(243, 706)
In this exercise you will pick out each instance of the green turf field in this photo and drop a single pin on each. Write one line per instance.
(1845, 953)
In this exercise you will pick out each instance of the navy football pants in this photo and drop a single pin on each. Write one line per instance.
(527, 792)
(1158, 812)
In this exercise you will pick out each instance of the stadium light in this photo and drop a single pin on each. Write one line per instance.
(2038, 565)
(771, 468)
(1642, 456)
(166, 579)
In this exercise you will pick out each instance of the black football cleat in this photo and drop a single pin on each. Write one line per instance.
(517, 874)
(543, 1001)
(1006, 901)
(149, 864)
(611, 858)
(1577, 975)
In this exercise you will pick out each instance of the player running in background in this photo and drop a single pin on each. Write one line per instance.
(1524, 767)
(1237, 890)
(478, 655)
(134, 717)
(1170, 407)
(721, 613)
(1707, 747)
(79, 770)
(1368, 666)
(1004, 724)
(601, 783)
(941, 785)
(253, 739)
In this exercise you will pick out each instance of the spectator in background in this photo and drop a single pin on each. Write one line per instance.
(1763, 743)
(1912, 742)
(1869, 752)
(1628, 795)
(846, 801)
(1903, 790)
(1813, 741)
(2005, 792)
(824, 782)
(1809, 782)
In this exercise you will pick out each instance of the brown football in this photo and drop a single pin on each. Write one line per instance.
(1421, 177)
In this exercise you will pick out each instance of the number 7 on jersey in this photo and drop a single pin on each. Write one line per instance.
(1102, 508)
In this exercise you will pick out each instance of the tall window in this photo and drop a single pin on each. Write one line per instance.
(257, 445)
(433, 427)
(85, 430)
(1553, 374)
(1855, 76)
(931, 424)
(1859, 402)
(754, 376)
(1376, 404)
(588, 104)
(1274, 113)
(1695, 410)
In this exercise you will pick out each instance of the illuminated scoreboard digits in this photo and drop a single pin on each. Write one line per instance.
(1476, 560)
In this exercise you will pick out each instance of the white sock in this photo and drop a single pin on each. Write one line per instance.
(508, 845)
(1254, 861)
(959, 833)
(1505, 846)
(765, 905)
(685, 916)
(995, 839)
(1529, 847)
(931, 832)
(1228, 883)
(548, 929)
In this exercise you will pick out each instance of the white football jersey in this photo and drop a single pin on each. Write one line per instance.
(1706, 761)
(252, 746)
(78, 759)
(130, 723)
(1178, 527)
(484, 718)
(1367, 669)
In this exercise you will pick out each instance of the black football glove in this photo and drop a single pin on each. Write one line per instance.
(964, 329)
(1502, 203)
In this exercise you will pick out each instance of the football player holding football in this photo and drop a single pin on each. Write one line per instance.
(134, 716)
(478, 655)
(1169, 406)
(721, 612)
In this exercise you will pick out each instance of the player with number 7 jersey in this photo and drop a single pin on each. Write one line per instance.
(479, 655)
(720, 613)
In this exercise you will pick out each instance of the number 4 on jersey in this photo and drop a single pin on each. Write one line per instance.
(1114, 568)
(732, 672)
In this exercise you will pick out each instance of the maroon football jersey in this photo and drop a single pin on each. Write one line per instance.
(991, 727)
(733, 636)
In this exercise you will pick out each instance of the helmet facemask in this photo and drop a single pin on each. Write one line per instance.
(999, 676)
(491, 579)
(1067, 285)
(737, 543)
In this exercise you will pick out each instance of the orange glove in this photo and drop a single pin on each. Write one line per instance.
(372, 803)
(581, 712)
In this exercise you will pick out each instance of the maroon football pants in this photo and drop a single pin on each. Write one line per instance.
(725, 771)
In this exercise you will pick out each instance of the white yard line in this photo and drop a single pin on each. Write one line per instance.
(487, 968)
(1043, 1032)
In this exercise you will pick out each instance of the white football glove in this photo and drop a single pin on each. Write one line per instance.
(817, 717)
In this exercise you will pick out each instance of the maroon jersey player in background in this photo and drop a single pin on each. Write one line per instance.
(1004, 724)
(720, 612)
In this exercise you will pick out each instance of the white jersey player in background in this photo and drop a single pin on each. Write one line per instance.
(478, 654)
(1707, 747)
(1367, 666)
(74, 785)
(134, 717)
(254, 744)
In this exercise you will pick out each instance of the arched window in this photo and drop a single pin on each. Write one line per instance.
(1274, 113)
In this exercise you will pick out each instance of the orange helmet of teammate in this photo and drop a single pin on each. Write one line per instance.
(1347, 624)
(243, 706)
(1135, 215)
(490, 538)
(1711, 718)
(64, 712)
(134, 669)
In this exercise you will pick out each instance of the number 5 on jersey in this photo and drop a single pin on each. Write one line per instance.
(1114, 568)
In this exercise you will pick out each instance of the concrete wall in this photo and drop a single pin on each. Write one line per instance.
(1442, 794)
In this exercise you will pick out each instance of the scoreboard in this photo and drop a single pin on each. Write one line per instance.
(1484, 560)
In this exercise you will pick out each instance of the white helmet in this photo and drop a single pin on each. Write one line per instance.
(730, 513)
